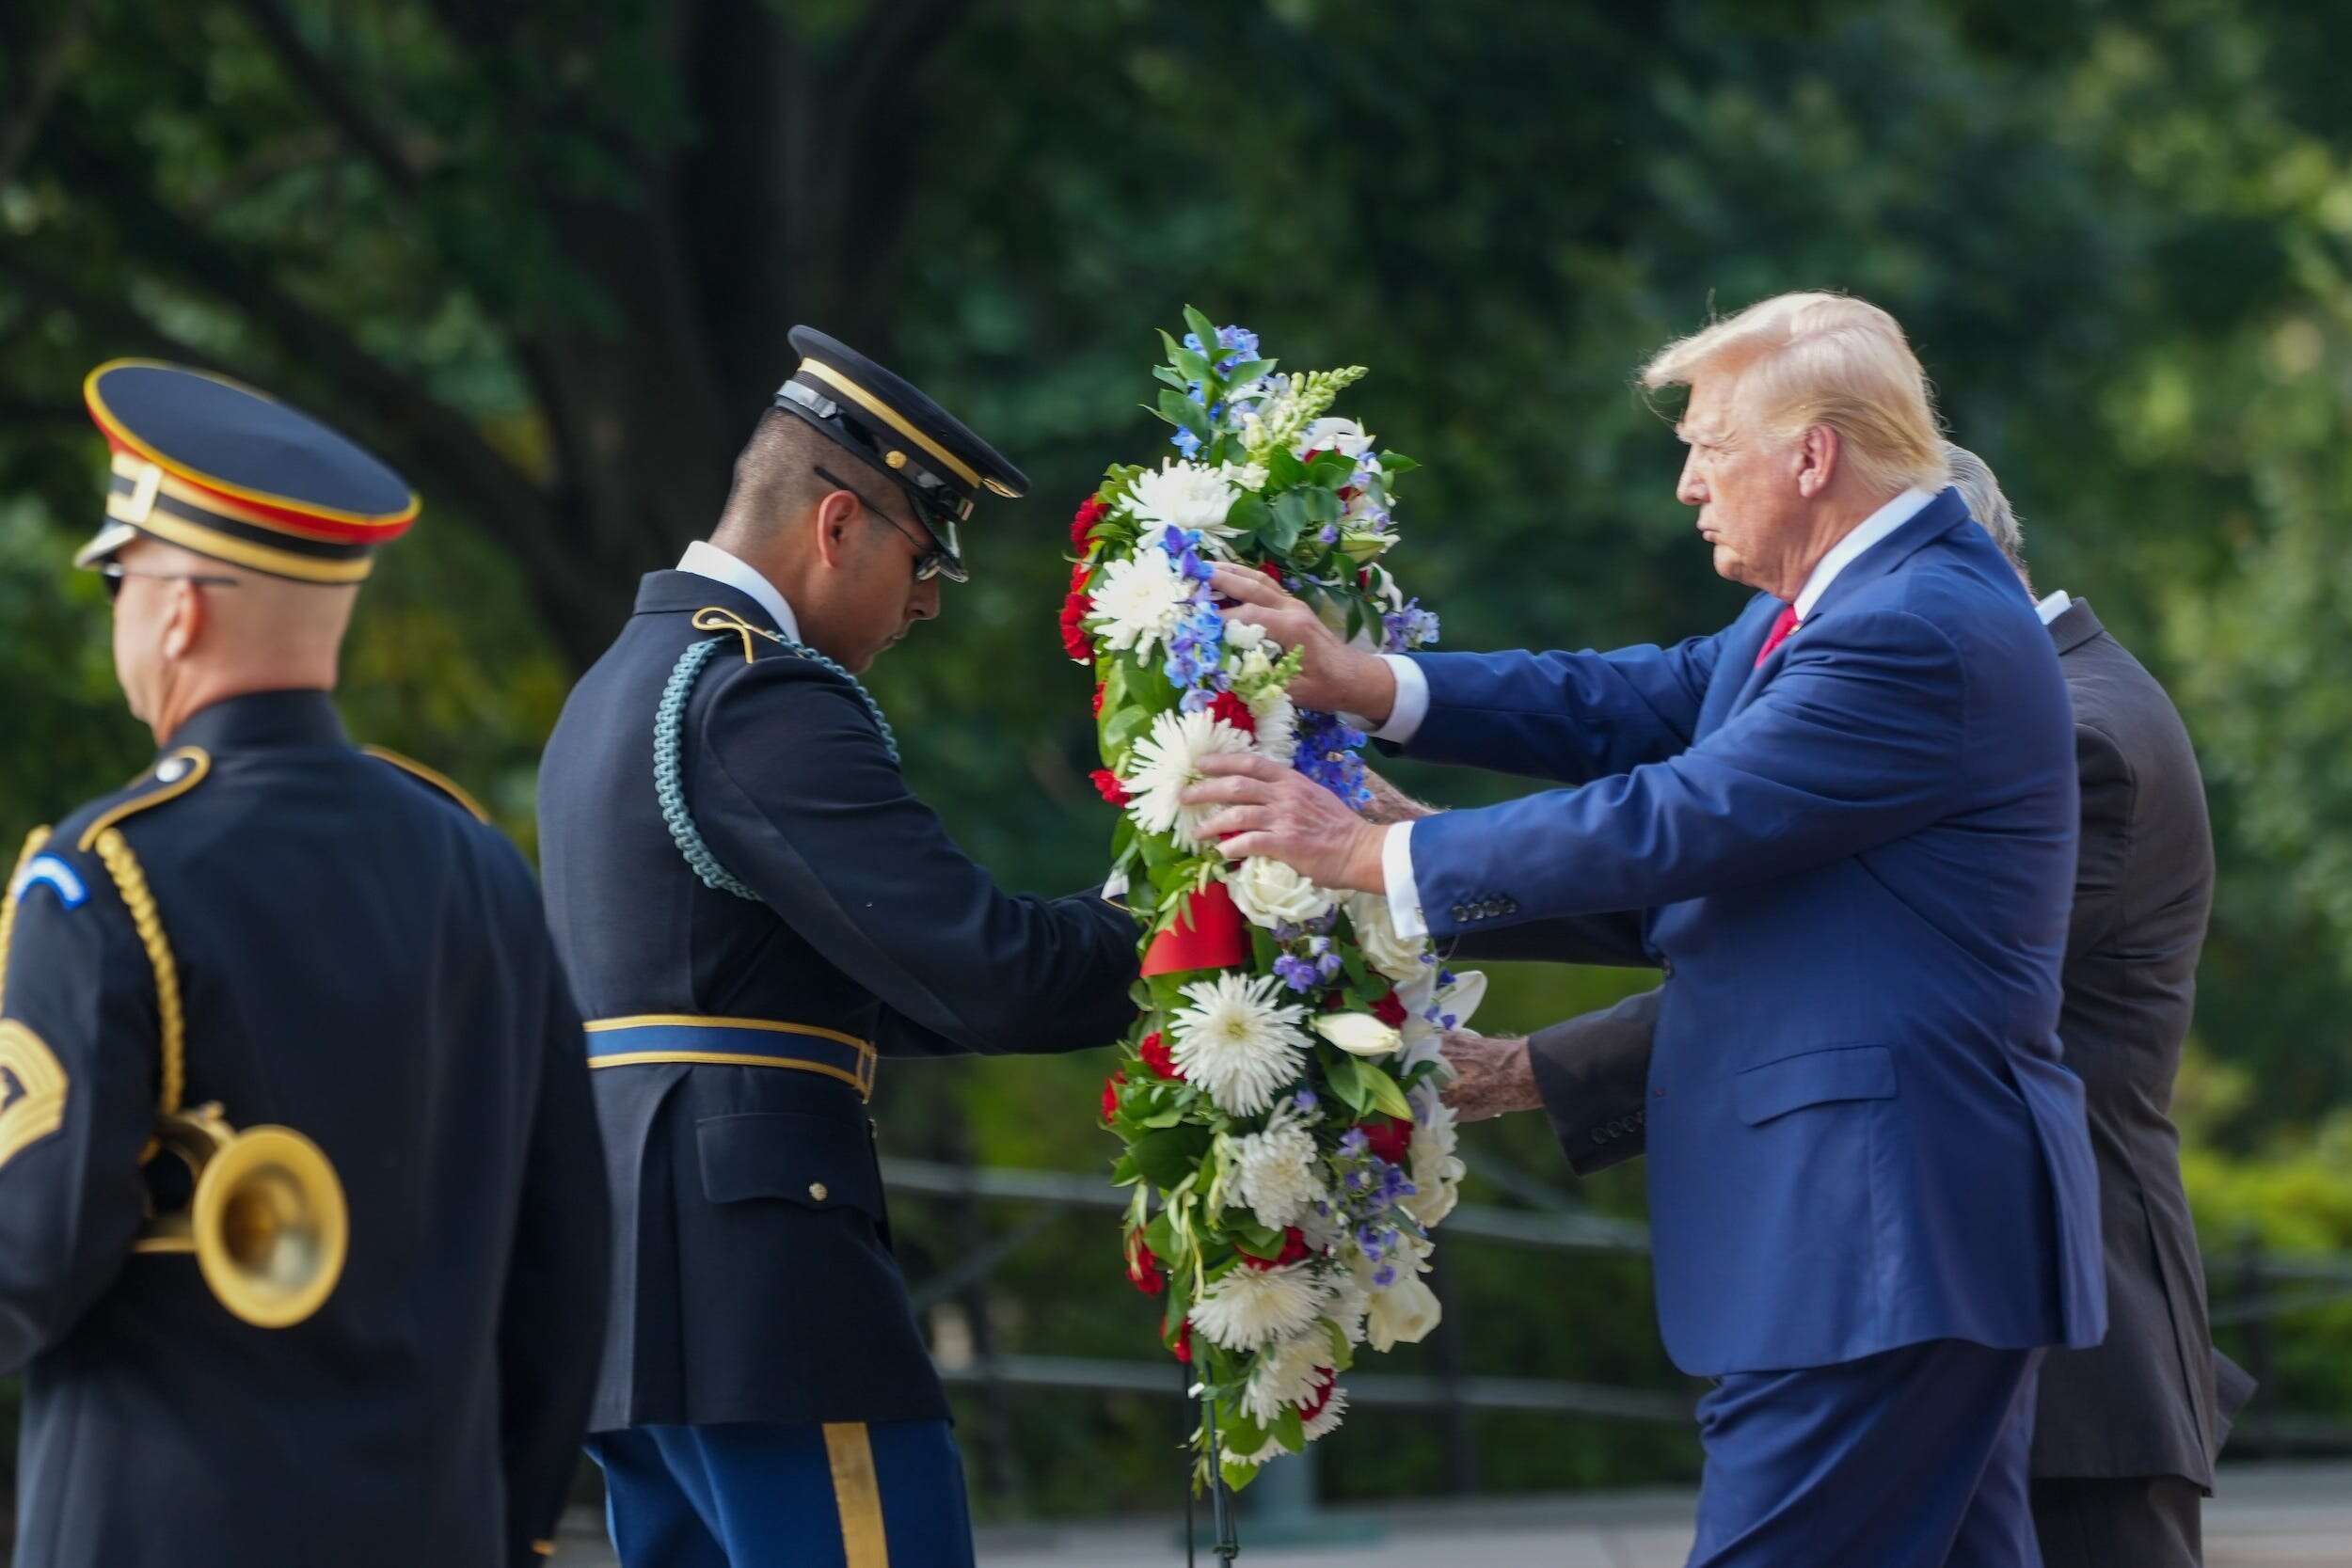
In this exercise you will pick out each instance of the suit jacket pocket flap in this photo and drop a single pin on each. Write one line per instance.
(1816, 1078)
(816, 1162)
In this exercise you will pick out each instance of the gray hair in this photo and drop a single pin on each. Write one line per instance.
(1986, 503)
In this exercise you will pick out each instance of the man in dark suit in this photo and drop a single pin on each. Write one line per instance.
(1846, 820)
(376, 1347)
(755, 908)
(2124, 1442)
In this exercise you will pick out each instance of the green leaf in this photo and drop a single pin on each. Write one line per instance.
(1330, 468)
(1168, 341)
(1201, 327)
(1283, 471)
(1322, 506)
(1250, 514)
(1247, 372)
(1383, 1092)
(1166, 1156)
(1291, 1427)
(1178, 409)
(1290, 514)
(1395, 463)
(1164, 1119)
(1345, 1075)
(1123, 1172)
(1125, 724)
(1192, 367)
(1238, 1476)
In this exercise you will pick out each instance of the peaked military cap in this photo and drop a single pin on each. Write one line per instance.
(941, 465)
(217, 468)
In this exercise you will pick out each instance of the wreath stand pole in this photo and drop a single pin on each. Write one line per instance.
(1227, 1543)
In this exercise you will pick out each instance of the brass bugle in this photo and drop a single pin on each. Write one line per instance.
(267, 1221)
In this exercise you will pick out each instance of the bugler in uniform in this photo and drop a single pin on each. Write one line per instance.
(366, 1332)
(755, 908)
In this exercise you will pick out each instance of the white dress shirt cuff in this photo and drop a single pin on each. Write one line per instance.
(1411, 708)
(1396, 869)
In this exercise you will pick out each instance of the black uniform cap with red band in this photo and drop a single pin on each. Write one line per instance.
(217, 468)
(941, 465)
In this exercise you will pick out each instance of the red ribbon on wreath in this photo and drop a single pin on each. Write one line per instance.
(1209, 934)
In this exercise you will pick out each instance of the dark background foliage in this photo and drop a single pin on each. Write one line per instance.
(544, 254)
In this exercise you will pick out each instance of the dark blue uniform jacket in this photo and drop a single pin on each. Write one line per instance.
(361, 960)
(752, 1276)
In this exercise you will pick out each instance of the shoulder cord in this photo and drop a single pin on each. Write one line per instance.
(669, 722)
(131, 881)
(33, 841)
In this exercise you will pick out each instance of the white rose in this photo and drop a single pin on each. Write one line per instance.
(1271, 894)
(1359, 1034)
(1386, 952)
(1402, 1314)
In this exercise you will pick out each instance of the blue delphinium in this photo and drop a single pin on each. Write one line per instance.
(1409, 627)
(1327, 753)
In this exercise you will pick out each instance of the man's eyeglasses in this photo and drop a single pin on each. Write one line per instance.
(113, 572)
(935, 558)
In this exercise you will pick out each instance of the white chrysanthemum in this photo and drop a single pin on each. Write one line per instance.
(1286, 1375)
(1386, 952)
(1271, 894)
(1250, 1308)
(1274, 1170)
(1165, 762)
(1139, 600)
(1277, 719)
(1435, 1169)
(1185, 496)
(1238, 1041)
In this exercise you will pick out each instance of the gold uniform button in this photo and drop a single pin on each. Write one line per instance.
(818, 1190)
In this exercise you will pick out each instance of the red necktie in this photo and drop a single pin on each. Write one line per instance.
(1781, 628)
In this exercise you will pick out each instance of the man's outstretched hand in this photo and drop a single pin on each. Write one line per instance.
(1332, 675)
(1271, 809)
(1492, 1075)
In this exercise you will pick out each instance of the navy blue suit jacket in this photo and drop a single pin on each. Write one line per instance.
(1856, 860)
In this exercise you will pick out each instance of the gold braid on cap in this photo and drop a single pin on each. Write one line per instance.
(131, 881)
(33, 841)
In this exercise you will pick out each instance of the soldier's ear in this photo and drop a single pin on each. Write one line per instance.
(183, 620)
(831, 518)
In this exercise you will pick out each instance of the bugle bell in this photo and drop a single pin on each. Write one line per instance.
(266, 1219)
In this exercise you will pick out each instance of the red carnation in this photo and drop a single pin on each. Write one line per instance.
(1106, 784)
(1389, 1011)
(1182, 1349)
(1074, 610)
(1098, 699)
(1143, 1270)
(1294, 1250)
(1159, 1056)
(1091, 511)
(1391, 1139)
(1325, 1382)
(1110, 1093)
(1234, 712)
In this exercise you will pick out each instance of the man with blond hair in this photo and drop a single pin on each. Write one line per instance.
(1846, 824)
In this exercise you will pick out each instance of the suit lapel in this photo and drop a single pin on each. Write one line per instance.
(1931, 522)
(1742, 639)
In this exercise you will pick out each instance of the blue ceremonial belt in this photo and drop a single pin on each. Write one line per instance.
(654, 1038)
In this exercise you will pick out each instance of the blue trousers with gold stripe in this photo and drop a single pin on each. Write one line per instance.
(840, 1494)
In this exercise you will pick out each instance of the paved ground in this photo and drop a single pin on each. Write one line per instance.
(2265, 1517)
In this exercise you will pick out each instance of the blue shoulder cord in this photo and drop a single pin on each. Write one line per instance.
(669, 719)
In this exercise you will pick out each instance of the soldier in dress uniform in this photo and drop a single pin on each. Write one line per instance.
(302, 1216)
(754, 909)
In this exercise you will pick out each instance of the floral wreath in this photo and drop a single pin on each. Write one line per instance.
(1277, 1101)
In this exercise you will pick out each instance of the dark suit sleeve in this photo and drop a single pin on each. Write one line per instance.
(1593, 1072)
(2109, 788)
(80, 1040)
(552, 1322)
(2232, 1386)
(1614, 939)
(796, 794)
